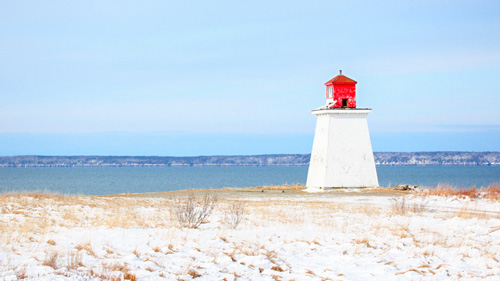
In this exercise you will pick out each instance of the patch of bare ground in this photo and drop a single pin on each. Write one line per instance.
(298, 189)
(292, 187)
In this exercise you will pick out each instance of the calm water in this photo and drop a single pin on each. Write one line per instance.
(104, 180)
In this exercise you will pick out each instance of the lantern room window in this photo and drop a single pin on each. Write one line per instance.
(330, 92)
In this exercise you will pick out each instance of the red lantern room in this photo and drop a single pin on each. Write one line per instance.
(341, 92)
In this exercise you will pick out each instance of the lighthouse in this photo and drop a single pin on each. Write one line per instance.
(342, 155)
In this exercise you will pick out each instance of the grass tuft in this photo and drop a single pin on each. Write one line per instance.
(87, 247)
(492, 192)
(74, 260)
(193, 273)
(51, 260)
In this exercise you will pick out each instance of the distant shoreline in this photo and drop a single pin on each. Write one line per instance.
(381, 159)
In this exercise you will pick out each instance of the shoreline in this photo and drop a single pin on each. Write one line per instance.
(262, 190)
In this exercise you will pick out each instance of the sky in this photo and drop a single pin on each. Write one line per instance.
(185, 78)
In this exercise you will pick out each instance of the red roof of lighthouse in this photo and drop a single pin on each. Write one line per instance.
(341, 79)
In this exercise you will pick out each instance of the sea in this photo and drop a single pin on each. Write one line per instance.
(123, 180)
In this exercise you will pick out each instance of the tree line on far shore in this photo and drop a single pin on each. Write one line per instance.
(381, 158)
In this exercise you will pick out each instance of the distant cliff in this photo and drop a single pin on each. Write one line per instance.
(134, 161)
(437, 158)
(381, 158)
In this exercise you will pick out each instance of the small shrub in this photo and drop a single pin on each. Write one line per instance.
(402, 207)
(235, 214)
(191, 213)
(399, 206)
(418, 207)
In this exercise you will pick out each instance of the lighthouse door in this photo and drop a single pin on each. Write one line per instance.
(344, 102)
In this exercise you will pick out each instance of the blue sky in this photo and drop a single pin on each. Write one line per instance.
(222, 77)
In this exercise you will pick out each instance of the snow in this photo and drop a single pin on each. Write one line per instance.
(291, 236)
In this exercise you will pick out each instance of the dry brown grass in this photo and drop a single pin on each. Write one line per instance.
(466, 212)
(491, 192)
(136, 252)
(129, 276)
(400, 230)
(86, 247)
(277, 268)
(363, 241)
(193, 273)
(21, 272)
(297, 213)
(274, 212)
(51, 260)
(74, 260)
(113, 271)
(41, 212)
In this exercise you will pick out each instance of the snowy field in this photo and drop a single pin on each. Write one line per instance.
(282, 236)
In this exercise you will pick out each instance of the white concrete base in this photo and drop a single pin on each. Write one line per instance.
(342, 154)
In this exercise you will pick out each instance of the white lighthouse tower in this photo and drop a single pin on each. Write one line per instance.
(342, 153)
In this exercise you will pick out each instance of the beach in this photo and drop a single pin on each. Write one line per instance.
(273, 233)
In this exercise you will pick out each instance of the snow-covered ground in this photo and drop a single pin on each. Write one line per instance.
(283, 236)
